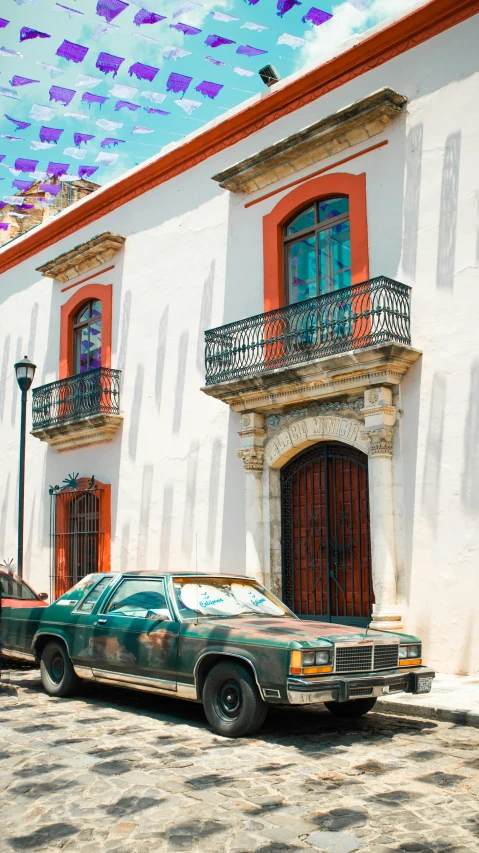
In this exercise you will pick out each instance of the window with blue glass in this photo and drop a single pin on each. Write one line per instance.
(87, 329)
(317, 250)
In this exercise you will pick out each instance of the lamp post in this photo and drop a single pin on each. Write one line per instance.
(24, 371)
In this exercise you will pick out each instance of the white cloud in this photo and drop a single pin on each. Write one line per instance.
(348, 24)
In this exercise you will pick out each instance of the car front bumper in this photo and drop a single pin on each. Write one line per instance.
(342, 688)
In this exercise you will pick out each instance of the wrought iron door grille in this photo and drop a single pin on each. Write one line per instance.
(353, 658)
(386, 657)
(76, 536)
(372, 312)
(325, 536)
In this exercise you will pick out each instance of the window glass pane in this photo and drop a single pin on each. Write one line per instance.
(304, 220)
(301, 270)
(12, 588)
(82, 349)
(92, 597)
(334, 247)
(95, 345)
(138, 597)
(96, 308)
(333, 207)
(84, 314)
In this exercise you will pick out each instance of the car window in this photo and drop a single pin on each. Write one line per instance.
(87, 604)
(139, 597)
(77, 592)
(15, 588)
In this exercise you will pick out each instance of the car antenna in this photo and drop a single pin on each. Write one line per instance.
(196, 572)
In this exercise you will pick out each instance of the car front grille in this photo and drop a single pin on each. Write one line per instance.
(354, 658)
(366, 658)
(386, 657)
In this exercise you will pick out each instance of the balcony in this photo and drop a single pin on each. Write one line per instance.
(82, 409)
(336, 343)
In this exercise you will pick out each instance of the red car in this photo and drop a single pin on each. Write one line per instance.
(14, 592)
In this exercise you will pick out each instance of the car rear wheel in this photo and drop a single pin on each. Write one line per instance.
(58, 676)
(351, 710)
(232, 701)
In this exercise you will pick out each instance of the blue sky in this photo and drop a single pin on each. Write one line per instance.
(94, 25)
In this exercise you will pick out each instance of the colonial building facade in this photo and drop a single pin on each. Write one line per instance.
(257, 351)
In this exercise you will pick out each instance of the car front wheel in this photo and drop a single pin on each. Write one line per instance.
(232, 702)
(58, 676)
(351, 710)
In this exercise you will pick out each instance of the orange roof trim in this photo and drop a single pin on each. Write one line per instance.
(402, 35)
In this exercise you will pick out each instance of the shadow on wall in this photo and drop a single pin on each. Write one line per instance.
(135, 411)
(433, 455)
(166, 522)
(145, 508)
(446, 255)
(3, 517)
(233, 542)
(213, 495)
(124, 333)
(180, 381)
(470, 474)
(464, 662)
(161, 356)
(188, 526)
(412, 194)
(206, 314)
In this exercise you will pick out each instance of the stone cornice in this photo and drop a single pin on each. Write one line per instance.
(347, 373)
(84, 257)
(356, 123)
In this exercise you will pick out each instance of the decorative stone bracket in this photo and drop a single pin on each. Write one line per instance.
(252, 434)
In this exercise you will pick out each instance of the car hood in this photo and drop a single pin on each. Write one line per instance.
(296, 633)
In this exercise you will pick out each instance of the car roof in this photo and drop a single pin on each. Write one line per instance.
(155, 573)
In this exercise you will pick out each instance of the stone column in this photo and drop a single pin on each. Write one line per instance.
(252, 437)
(380, 417)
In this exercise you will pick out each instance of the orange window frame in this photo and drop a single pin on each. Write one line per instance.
(61, 523)
(326, 186)
(103, 292)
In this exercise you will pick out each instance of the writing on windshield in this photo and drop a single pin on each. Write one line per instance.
(222, 598)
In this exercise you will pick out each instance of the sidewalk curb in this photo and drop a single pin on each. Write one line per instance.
(445, 715)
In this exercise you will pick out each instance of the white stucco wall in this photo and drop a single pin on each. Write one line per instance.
(192, 260)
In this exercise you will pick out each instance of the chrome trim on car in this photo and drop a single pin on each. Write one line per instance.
(368, 641)
(49, 634)
(13, 653)
(84, 672)
(181, 691)
(301, 691)
(126, 679)
(226, 655)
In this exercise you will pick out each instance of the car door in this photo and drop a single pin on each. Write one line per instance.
(134, 637)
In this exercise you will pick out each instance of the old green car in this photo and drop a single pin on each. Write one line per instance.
(221, 640)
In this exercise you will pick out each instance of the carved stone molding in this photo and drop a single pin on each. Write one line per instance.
(84, 257)
(380, 440)
(252, 434)
(89, 430)
(253, 458)
(347, 127)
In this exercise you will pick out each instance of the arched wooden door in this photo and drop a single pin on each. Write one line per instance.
(326, 544)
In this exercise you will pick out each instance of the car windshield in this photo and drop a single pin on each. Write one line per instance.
(223, 598)
(12, 587)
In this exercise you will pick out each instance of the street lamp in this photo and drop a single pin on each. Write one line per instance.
(25, 371)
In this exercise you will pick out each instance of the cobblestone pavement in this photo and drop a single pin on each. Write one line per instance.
(129, 772)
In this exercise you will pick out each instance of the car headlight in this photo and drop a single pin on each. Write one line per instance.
(410, 652)
(311, 662)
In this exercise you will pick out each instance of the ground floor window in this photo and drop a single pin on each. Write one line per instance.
(79, 532)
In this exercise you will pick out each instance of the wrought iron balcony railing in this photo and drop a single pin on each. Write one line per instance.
(92, 393)
(373, 312)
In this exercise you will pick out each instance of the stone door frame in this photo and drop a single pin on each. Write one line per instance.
(263, 459)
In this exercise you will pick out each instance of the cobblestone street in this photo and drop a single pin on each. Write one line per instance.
(124, 771)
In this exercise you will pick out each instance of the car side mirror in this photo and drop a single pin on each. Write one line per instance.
(43, 595)
(159, 615)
